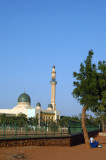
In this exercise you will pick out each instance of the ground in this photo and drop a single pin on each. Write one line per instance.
(79, 152)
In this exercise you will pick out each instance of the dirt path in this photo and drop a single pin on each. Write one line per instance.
(79, 152)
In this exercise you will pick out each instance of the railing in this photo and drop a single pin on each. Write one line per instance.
(44, 130)
(32, 131)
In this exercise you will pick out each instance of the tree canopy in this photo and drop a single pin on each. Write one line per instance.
(90, 84)
(101, 76)
(90, 88)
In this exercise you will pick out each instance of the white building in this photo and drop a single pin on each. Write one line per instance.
(24, 105)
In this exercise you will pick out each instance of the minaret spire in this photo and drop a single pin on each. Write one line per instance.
(53, 83)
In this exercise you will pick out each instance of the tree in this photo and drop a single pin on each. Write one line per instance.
(86, 91)
(21, 120)
(3, 119)
(101, 77)
(32, 121)
(102, 85)
(101, 119)
(65, 120)
(88, 119)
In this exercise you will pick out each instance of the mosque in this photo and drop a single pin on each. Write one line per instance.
(24, 105)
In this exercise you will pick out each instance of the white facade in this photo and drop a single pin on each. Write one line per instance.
(24, 105)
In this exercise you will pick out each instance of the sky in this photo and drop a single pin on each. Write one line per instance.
(37, 34)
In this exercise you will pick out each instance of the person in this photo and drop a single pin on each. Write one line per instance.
(94, 143)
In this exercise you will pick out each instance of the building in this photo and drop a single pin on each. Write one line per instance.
(24, 105)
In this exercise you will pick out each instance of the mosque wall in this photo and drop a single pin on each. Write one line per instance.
(57, 115)
(13, 111)
(6, 111)
(31, 113)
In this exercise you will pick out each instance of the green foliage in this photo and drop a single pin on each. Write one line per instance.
(65, 121)
(101, 117)
(3, 119)
(102, 85)
(19, 120)
(53, 126)
(89, 119)
(32, 121)
(90, 84)
(101, 75)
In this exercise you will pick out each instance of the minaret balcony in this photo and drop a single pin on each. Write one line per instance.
(53, 82)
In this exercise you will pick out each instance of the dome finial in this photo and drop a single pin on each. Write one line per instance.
(24, 90)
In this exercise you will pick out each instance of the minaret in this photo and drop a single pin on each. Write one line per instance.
(53, 87)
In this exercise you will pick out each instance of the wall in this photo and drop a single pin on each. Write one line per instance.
(45, 141)
(31, 113)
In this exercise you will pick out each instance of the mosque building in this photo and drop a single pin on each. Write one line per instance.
(24, 105)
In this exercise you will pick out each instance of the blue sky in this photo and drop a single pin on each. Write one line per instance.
(37, 34)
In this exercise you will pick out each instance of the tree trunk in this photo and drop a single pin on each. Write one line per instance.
(103, 126)
(85, 132)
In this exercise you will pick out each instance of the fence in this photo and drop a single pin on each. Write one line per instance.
(76, 127)
(46, 129)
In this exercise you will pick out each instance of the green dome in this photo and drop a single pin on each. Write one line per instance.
(24, 98)
(38, 104)
(50, 106)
